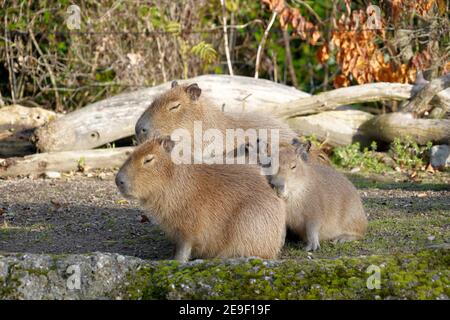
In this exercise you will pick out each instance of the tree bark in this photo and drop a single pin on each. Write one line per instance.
(389, 126)
(16, 117)
(420, 103)
(337, 128)
(38, 164)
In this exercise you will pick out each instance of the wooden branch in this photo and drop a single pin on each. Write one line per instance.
(38, 164)
(289, 60)
(389, 126)
(344, 96)
(420, 103)
(47, 66)
(263, 42)
(225, 38)
(114, 118)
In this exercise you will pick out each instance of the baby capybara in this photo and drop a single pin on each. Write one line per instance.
(321, 203)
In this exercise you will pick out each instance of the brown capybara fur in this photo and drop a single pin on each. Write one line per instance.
(207, 210)
(183, 105)
(321, 203)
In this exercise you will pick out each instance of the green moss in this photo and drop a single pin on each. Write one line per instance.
(422, 275)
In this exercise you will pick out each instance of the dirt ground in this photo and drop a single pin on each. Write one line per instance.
(80, 214)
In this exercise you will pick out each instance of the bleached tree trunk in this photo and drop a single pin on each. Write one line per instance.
(38, 164)
(115, 118)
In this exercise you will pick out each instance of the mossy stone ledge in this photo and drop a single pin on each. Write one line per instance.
(419, 275)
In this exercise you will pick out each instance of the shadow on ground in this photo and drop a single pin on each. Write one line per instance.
(80, 215)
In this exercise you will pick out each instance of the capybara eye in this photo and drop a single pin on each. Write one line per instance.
(293, 166)
(175, 107)
(143, 130)
(148, 159)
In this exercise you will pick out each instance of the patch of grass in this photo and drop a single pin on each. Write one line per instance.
(395, 180)
(37, 227)
(110, 223)
(391, 230)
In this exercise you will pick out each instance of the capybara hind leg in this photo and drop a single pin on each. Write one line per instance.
(312, 237)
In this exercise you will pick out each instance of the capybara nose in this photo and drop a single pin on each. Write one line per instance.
(142, 131)
(121, 182)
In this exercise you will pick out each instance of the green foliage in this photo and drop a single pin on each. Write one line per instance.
(352, 157)
(408, 154)
(232, 5)
(205, 51)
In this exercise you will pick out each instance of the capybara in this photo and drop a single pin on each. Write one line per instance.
(207, 210)
(321, 203)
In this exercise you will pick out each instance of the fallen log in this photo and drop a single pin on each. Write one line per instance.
(337, 128)
(16, 117)
(114, 118)
(38, 164)
(389, 126)
(17, 124)
(330, 100)
(420, 103)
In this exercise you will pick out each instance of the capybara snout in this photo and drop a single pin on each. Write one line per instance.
(122, 182)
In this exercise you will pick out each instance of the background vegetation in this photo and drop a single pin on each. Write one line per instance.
(123, 45)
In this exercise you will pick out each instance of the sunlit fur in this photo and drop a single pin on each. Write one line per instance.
(160, 120)
(163, 121)
(219, 210)
(321, 203)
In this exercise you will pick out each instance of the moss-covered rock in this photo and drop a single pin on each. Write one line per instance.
(420, 275)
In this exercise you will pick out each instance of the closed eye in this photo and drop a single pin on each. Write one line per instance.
(293, 166)
(149, 159)
(174, 107)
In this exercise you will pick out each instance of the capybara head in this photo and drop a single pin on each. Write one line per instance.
(147, 169)
(177, 108)
(290, 161)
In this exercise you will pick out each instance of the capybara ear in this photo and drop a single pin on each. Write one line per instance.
(193, 91)
(167, 143)
(302, 149)
(174, 83)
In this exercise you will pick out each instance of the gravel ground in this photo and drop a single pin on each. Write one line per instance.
(80, 214)
(75, 215)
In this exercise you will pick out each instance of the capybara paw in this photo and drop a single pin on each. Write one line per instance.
(312, 246)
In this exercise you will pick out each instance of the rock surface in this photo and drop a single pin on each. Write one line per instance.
(420, 275)
(440, 156)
